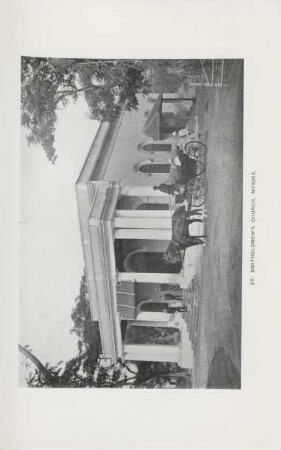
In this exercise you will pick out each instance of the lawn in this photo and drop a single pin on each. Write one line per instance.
(218, 341)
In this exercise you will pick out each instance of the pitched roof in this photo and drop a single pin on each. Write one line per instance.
(152, 126)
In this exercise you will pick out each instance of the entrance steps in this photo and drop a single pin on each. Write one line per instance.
(185, 345)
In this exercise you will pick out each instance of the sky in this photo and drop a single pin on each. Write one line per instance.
(51, 260)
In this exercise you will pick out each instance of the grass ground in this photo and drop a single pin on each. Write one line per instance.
(218, 341)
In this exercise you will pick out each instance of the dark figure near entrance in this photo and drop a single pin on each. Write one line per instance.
(187, 168)
(171, 189)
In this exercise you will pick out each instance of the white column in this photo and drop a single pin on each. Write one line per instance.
(156, 223)
(148, 277)
(148, 224)
(142, 191)
(150, 323)
(168, 353)
(143, 233)
(141, 213)
(141, 219)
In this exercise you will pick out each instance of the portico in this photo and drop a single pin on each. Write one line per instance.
(105, 224)
(123, 247)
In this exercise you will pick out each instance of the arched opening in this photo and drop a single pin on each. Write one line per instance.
(146, 262)
(152, 206)
(154, 306)
(152, 335)
(157, 147)
(154, 168)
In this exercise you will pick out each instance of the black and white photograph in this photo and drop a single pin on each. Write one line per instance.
(140, 224)
(131, 213)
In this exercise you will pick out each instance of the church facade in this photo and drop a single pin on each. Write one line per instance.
(126, 227)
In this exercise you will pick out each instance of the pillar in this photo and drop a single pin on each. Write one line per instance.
(143, 233)
(161, 353)
(148, 277)
(141, 213)
(142, 191)
(151, 323)
(159, 223)
(141, 219)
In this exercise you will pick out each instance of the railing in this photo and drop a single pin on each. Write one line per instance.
(212, 73)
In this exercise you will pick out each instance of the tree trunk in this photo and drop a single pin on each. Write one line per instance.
(42, 369)
(75, 91)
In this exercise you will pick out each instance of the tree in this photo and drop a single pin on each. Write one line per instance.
(169, 75)
(74, 374)
(47, 374)
(88, 368)
(47, 84)
(86, 329)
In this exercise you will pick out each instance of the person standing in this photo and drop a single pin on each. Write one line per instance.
(171, 189)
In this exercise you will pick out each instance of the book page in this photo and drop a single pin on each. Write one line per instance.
(246, 412)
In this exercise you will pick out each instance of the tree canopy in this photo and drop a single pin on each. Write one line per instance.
(48, 84)
(101, 375)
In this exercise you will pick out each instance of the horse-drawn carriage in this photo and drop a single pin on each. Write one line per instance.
(189, 161)
(190, 171)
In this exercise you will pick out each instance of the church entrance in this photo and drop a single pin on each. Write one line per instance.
(145, 261)
(151, 335)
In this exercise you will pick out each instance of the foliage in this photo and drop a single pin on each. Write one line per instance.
(168, 75)
(88, 368)
(73, 374)
(48, 84)
(153, 375)
(86, 329)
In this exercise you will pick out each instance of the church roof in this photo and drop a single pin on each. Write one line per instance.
(152, 126)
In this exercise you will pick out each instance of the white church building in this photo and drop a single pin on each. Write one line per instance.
(125, 228)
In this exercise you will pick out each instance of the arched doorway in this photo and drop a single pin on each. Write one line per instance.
(152, 206)
(145, 261)
(155, 168)
(155, 306)
(157, 147)
(159, 306)
(151, 335)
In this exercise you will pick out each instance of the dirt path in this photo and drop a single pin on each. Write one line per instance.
(220, 115)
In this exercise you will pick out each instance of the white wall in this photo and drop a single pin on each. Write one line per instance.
(126, 153)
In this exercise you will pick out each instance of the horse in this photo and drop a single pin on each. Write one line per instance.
(181, 219)
(181, 239)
